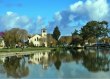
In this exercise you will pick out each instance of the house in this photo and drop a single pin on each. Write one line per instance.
(39, 39)
(65, 40)
(2, 43)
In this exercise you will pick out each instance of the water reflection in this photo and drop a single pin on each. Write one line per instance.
(90, 60)
(39, 58)
(96, 60)
(14, 68)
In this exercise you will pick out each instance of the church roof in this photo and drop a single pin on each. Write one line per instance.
(30, 36)
(44, 29)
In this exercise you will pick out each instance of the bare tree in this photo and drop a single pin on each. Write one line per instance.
(15, 35)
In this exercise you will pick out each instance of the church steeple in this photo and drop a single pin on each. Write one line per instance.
(44, 36)
(44, 32)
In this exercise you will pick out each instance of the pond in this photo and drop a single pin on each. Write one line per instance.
(89, 63)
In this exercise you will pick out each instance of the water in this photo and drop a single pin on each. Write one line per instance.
(90, 63)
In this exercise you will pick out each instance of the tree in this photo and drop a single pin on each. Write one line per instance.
(51, 41)
(56, 33)
(75, 32)
(76, 38)
(94, 29)
(14, 35)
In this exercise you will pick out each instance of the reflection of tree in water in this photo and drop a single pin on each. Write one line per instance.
(90, 59)
(61, 56)
(77, 55)
(96, 63)
(57, 62)
(14, 68)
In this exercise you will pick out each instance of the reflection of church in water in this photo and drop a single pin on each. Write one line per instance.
(40, 58)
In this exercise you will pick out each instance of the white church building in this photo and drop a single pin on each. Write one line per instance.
(39, 39)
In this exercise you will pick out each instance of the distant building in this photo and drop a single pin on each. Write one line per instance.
(65, 39)
(39, 39)
(2, 43)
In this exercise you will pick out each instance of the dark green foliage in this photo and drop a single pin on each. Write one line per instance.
(75, 32)
(56, 33)
(94, 29)
(76, 39)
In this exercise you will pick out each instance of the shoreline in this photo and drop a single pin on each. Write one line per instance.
(5, 54)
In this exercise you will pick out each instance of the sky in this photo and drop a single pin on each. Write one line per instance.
(68, 15)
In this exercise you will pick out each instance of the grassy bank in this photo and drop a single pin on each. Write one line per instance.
(25, 49)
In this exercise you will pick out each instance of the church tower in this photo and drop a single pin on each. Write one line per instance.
(44, 37)
(44, 32)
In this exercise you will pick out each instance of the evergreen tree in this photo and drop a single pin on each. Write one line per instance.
(56, 33)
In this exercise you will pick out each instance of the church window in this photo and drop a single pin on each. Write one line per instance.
(43, 30)
(37, 39)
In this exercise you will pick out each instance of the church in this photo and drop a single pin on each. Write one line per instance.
(39, 39)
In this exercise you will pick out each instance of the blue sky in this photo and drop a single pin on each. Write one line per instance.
(33, 8)
(33, 15)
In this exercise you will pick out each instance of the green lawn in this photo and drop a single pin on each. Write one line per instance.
(25, 49)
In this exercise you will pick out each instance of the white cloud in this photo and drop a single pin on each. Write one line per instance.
(80, 13)
(76, 6)
(57, 16)
(98, 9)
(13, 20)
(24, 18)
(94, 9)
(39, 20)
(9, 13)
(40, 23)
(76, 15)
(71, 17)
